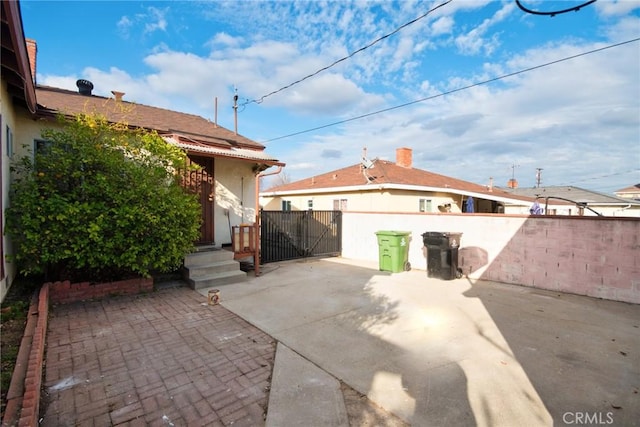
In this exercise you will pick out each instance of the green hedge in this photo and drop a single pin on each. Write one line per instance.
(101, 201)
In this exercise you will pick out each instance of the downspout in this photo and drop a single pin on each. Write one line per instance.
(256, 233)
(625, 208)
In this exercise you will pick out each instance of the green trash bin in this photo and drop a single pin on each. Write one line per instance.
(393, 250)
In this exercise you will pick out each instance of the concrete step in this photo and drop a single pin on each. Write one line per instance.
(216, 279)
(208, 269)
(207, 257)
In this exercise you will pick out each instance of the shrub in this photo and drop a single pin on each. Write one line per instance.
(101, 201)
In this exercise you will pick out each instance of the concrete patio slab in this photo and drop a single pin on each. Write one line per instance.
(457, 352)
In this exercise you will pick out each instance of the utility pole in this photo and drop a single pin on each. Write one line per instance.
(538, 177)
(235, 110)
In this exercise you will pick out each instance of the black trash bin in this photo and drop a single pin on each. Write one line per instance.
(442, 254)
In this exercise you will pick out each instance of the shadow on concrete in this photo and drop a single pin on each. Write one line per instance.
(579, 353)
(360, 325)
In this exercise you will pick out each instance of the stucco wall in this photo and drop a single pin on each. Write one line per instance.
(373, 200)
(592, 256)
(235, 193)
(10, 117)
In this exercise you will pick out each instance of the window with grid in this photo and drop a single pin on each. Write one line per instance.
(424, 205)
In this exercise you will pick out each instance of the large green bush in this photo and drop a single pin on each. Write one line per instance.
(100, 201)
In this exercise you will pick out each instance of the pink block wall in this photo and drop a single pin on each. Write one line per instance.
(598, 257)
(594, 256)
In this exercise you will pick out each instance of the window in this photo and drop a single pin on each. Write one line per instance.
(9, 142)
(310, 204)
(286, 205)
(41, 146)
(339, 204)
(425, 205)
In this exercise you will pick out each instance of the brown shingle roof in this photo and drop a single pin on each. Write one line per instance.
(386, 172)
(632, 189)
(52, 100)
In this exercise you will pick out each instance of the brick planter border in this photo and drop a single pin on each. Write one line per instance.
(23, 400)
(66, 292)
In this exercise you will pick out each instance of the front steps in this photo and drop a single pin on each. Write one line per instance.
(208, 268)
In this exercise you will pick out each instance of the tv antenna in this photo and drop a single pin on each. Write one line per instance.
(513, 183)
(366, 164)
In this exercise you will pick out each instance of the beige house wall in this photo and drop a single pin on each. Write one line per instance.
(386, 200)
(381, 200)
(235, 195)
(9, 118)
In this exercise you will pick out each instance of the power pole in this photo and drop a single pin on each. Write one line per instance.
(538, 177)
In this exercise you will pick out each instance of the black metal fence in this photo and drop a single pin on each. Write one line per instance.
(286, 235)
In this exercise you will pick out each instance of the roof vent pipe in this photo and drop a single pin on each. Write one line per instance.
(84, 86)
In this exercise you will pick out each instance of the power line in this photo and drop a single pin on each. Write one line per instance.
(603, 176)
(259, 100)
(504, 76)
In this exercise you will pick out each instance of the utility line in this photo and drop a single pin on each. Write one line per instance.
(261, 99)
(603, 176)
(504, 76)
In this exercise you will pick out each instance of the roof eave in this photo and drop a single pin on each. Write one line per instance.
(14, 21)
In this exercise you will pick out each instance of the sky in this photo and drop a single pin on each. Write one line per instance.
(479, 90)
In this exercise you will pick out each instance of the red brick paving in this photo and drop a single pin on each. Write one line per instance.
(154, 360)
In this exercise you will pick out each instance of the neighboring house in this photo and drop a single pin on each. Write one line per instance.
(586, 202)
(384, 186)
(231, 163)
(632, 192)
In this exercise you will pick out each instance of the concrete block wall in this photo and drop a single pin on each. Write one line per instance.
(594, 256)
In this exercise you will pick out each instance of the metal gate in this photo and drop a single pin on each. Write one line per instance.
(286, 235)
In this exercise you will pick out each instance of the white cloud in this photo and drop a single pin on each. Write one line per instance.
(157, 18)
(616, 7)
(476, 41)
(124, 26)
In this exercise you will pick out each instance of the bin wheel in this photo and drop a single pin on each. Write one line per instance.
(458, 273)
(407, 266)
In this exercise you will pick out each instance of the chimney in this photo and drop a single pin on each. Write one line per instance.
(84, 86)
(32, 51)
(512, 183)
(404, 157)
(118, 95)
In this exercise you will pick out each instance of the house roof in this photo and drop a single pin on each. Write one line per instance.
(632, 190)
(188, 131)
(390, 175)
(199, 147)
(576, 194)
(16, 69)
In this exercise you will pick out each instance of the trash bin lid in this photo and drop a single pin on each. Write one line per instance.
(440, 234)
(392, 233)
